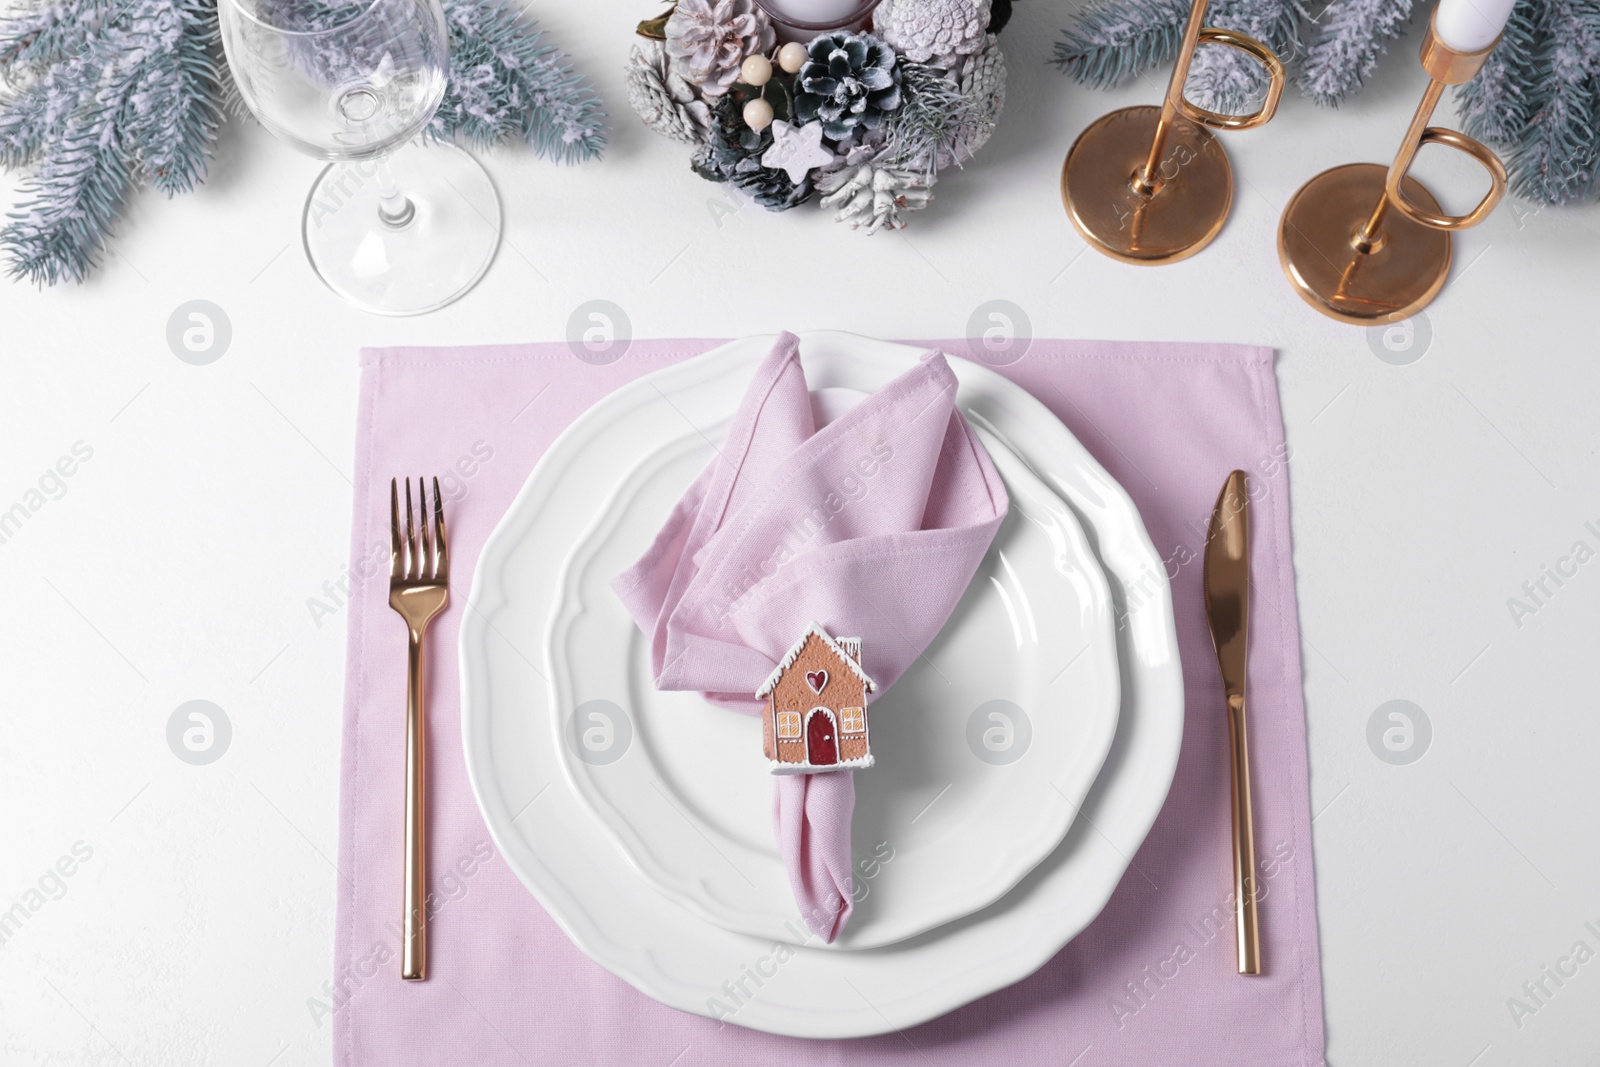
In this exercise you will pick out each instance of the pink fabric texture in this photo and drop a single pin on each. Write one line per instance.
(871, 527)
(1150, 981)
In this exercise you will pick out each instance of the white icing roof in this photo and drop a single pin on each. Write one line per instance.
(794, 654)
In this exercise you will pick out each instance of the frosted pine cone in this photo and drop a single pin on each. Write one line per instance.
(849, 81)
(662, 98)
(708, 39)
(939, 32)
(983, 89)
(873, 196)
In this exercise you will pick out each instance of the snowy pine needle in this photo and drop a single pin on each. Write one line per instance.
(1112, 40)
(1558, 159)
(932, 116)
(1350, 37)
(1498, 104)
(1227, 80)
(507, 83)
(102, 98)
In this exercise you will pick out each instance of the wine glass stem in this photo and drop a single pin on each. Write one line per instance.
(394, 208)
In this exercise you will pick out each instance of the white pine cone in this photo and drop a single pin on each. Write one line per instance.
(983, 90)
(663, 99)
(708, 39)
(937, 32)
(874, 196)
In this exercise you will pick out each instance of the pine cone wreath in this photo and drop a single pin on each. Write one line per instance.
(708, 39)
(663, 99)
(878, 114)
(873, 195)
(734, 153)
(939, 32)
(849, 80)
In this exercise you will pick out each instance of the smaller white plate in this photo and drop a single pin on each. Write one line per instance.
(952, 815)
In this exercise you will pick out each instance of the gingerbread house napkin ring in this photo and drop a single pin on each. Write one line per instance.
(815, 717)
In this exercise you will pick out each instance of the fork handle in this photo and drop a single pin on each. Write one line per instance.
(414, 948)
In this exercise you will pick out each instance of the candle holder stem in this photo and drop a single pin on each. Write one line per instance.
(1153, 184)
(1147, 180)
(1368, 245)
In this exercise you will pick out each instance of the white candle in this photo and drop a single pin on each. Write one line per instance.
(1471, 25)
(820, 11)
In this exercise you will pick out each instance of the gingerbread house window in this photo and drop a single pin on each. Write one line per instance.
(852, 720)
(789, 725)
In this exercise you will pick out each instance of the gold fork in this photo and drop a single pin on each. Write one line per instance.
(419, 588)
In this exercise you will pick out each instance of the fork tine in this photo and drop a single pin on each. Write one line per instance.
(411, 538)
(438, 534)
(427, 538)
(395, 564)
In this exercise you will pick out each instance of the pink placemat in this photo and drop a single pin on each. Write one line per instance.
(1150, 982)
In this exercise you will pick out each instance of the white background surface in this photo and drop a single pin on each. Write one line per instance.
(179, 562)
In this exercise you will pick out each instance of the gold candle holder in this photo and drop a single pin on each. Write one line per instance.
(1152, 184)
(1368, 245)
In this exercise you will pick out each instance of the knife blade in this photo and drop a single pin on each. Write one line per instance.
(1227, 593)
(1227, 581)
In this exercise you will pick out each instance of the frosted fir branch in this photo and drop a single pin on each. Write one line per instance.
(1344, 51)
(41, 109)
(1497, 105)
(506, 82)
(60, 227)
(37, 37)
(1112, 40)
(1226, 79)
(52, 59)
(1559, 158)
(133, 101)
(172, 115)
(61, 231)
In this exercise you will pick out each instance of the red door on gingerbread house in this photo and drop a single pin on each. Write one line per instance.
(822, 746)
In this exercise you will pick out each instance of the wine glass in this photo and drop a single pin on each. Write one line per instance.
(391, 225)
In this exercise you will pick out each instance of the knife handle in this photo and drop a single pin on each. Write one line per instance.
(1246, 922)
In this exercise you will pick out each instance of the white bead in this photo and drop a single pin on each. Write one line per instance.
(756, 70)
(792, 56)
(758, 114)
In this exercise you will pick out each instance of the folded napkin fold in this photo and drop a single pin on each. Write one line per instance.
(870, 526)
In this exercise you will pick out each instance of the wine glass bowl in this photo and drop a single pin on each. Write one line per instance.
(349, 81)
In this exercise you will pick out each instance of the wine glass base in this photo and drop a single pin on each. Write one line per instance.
(432, 260)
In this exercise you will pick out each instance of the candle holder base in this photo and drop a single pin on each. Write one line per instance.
(1397, 277)
(1185, 211)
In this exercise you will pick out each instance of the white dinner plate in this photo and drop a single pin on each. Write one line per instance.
(981, 761)
(560, 850)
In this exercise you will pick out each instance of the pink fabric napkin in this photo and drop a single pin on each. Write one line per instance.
(871, 527)
(1150, 981)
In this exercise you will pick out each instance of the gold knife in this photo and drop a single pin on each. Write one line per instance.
(1228, 611)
